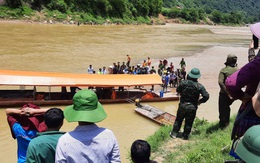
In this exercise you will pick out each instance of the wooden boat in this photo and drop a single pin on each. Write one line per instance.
(155, 114)
(50, 88)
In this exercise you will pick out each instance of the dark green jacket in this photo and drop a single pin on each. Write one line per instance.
(42, 148)
(190, 92)
(223, 74)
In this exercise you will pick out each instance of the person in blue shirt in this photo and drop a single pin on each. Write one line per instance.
(165, 80)
(24, 124)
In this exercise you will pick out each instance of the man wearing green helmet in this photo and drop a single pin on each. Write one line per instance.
(190, 91)
(224, 100)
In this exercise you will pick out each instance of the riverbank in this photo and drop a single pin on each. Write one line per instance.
(168, 149)
(208, 143)
(27, 15)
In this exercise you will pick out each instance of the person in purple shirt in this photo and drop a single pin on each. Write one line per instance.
(247, 77)
(243, 85)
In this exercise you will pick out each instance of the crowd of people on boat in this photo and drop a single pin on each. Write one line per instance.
(124, 68)
(170, 77)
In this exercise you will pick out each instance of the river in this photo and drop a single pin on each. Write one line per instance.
(71, 49)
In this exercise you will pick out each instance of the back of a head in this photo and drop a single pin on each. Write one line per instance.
(140, 151)
(231, 60)
(53, 118)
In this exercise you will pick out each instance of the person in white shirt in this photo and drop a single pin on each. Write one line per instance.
(104, 71)
(91, 69)
(87, 142)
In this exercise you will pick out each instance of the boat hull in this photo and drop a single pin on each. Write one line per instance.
(17, 99)
(156, 115)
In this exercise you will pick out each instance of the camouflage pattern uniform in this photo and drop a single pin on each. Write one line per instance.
(190, 91)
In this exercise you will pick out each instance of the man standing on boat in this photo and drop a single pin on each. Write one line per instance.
(190, 91)
(182, 63)
(91, 69)
(149, 62)
(128, 61)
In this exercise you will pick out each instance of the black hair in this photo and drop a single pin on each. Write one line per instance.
(256, 42)
(140, 151)
(53, 118)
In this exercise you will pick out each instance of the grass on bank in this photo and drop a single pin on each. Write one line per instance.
(207, 143)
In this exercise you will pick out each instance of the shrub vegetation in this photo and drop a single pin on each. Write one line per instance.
(227, 12)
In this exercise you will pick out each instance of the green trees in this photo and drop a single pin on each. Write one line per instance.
(226, 18)
(222, 11)
(193, 15)
(97, 8)
(59, 5)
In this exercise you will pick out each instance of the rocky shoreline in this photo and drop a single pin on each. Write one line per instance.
(160, 20)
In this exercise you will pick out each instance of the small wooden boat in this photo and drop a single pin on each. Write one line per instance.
(155, 114)
(50, 88)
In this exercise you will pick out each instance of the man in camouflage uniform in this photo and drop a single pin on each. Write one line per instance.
(190, 91)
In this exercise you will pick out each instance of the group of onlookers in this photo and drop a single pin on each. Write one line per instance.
(40, 141)
(169, 76)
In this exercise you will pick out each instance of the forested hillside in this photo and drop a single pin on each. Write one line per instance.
(247, 9)
(119, 11)
(228, 12)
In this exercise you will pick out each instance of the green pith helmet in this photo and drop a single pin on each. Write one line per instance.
(194, 73)
(231, 60)
(85, 108)
(248, 148)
